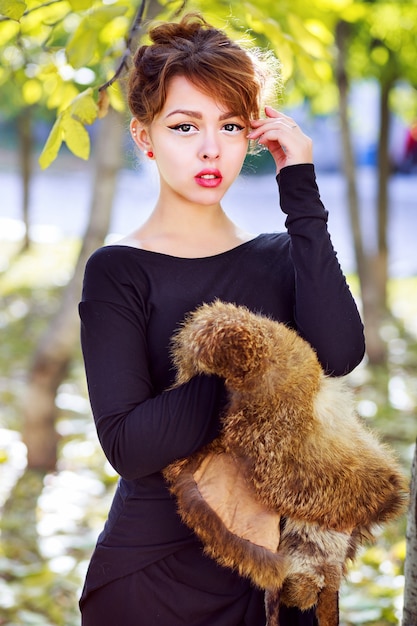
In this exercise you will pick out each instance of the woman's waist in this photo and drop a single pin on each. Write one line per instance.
(143, 513)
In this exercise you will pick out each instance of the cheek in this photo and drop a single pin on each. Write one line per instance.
(240, 153)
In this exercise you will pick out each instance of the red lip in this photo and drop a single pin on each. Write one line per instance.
(209, 178)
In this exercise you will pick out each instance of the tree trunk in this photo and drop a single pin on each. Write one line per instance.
(410, 570)
(383, 178)
(56, 347)
(366, 266)
(24, 125)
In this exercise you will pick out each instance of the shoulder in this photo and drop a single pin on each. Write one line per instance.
(111, 272)
(108, 256)
(271, 241)
(115, 260)
(269, 255)
(271, 244)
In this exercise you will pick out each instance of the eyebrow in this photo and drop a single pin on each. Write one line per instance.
(198, 116)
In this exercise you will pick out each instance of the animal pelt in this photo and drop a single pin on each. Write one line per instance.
(295, 481)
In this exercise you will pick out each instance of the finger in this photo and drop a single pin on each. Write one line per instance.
(276, 119)
(269, 126)
(271, 113)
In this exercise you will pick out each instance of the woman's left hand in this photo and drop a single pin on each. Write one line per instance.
(283, 138)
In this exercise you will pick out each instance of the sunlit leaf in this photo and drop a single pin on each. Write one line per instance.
(101, 16)
(81, 47)
(32, 91)
(115, 30)
(380, 55)
(14, 9)
(286, 56)
(52, 145)
(84, 107)
(80, 5)
(320, 30)
(76, 137)
(8, 30)
(117, 99)
(306, 65)
(83, 43)
(309, 42)
(62, 95)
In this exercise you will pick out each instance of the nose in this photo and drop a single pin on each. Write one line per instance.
(210, 148)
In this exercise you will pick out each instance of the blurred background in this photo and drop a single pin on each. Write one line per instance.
(70, 180)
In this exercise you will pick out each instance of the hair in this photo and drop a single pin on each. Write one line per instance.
(206, 57)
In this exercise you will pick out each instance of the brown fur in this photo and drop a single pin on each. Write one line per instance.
(293, 434)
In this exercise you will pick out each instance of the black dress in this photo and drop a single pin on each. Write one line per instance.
(132, 302)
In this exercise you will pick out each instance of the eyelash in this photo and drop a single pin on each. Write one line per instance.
(180, 127)
(237, 126)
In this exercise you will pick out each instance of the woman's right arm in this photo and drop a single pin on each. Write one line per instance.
(140, 432)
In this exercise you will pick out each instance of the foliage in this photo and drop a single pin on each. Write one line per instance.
(69, 127)
(51, 52)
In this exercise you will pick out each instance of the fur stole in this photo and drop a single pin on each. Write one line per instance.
(295, 482)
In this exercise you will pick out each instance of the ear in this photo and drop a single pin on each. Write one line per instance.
(140, 136)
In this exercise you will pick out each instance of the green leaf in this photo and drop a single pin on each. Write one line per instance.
(82, 45)
(116, 97)
(76, 137)
(13, 9)
(102, 16)
(84, 107)
(52, 145)
(80, 5)
(32, 91)
(8, 31)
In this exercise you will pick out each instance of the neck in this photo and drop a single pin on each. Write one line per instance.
(188, 230)
(183, 218)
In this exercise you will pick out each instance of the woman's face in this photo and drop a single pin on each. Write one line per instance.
(199, 146)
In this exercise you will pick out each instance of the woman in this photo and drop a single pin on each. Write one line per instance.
(195, 98)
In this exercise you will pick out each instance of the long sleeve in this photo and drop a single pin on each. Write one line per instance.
(325, 312)
(140, 429)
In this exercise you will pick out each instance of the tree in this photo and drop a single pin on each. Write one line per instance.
(55, 349)
(371, 309)
(377, 43)
(410, 570)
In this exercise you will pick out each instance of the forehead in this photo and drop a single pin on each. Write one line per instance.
(183, 95)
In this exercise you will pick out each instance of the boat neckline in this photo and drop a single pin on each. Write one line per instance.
(184, 258)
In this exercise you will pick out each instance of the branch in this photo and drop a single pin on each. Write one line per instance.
(131, 36)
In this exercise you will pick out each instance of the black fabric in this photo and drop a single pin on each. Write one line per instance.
(164, 594)
(133, 300)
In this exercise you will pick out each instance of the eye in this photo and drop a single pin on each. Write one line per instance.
(232, 127)
(183, 128)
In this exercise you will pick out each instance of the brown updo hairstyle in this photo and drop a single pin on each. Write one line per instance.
(205, 56)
